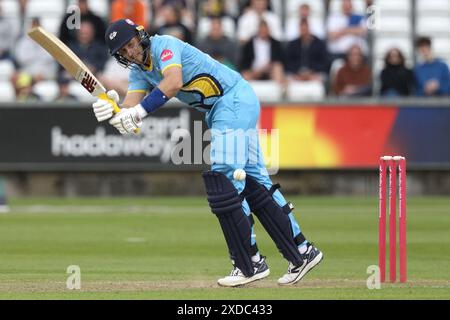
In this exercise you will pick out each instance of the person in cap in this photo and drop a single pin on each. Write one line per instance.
(163, 67)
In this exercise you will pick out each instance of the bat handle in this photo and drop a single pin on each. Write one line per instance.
(104, 96)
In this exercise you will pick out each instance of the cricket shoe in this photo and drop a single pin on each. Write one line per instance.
(237, 278)
(311, 258)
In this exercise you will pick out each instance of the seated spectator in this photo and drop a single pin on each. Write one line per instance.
(345, 30)
(32, 59)
(355, 77)
(68, 35)
(304, 12)
(92, 52)
(172, 24)
(187, 9)
(134, 10)
(262, 57)
(64, 80)
(218, 46)
(248, 23)
(23, 85)
(307, 57)
(431, 75)
(396, 78)
(6, 36)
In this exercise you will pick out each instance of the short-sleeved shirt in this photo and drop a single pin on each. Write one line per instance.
(205, 80)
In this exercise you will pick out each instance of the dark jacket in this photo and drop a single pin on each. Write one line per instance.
(397, 78)
(68, 36)
(248, 53)
(314, 57)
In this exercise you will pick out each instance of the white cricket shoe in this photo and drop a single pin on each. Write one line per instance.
(311, 258)
(237, 278)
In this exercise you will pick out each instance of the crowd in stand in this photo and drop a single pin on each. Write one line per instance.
(247, 36)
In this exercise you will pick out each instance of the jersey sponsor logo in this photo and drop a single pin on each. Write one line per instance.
(166, 55)
(88, 83)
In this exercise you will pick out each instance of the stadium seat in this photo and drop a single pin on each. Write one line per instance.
(100, 7)
(394, 24)
(51, 24)
(441, 46)
(10, 8)
(305, 90)
(47, 90)
(432, 7)
(395, 7)
(267, 91)
(6, 70)
(47, 8)
(7, 93)
(204, 26)
(430, 25)
(78, 91)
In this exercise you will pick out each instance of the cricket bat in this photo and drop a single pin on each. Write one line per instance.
(73, 65)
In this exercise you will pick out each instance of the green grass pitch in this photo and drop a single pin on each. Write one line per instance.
(172, 248)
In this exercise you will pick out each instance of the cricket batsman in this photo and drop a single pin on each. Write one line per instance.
(162, 67)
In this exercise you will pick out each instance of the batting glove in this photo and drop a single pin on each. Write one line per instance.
(103, 109)
(128, 120)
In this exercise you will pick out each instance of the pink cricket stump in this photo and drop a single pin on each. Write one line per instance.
(392, 220)
(382, 222)
(402, 218)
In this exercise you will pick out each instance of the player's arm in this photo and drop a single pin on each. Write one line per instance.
(133, 98)
(172, 81)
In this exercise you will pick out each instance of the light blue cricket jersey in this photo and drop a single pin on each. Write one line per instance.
(205, 80)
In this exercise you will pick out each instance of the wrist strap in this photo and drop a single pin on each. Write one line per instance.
(154, 100)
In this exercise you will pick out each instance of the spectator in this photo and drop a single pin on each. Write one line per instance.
(64, 80)
(396, 78)
(6, 36)
(307, 57)
(23, 85)
(92, 52)
(262, 57)
(304, 12)
(134, 10)
(69, 35)
(432, 75)
(345, 30)
(32, 59)
(172, 24)
(355, 77)
(248, 23)
(218, 46)
(187, 9)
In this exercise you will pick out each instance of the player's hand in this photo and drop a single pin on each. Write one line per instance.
(103, 109)
(128, 120)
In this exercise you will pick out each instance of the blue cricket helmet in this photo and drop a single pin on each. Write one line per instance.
(120, 33)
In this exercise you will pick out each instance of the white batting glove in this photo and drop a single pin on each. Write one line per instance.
(128, 120)
(104, 110)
